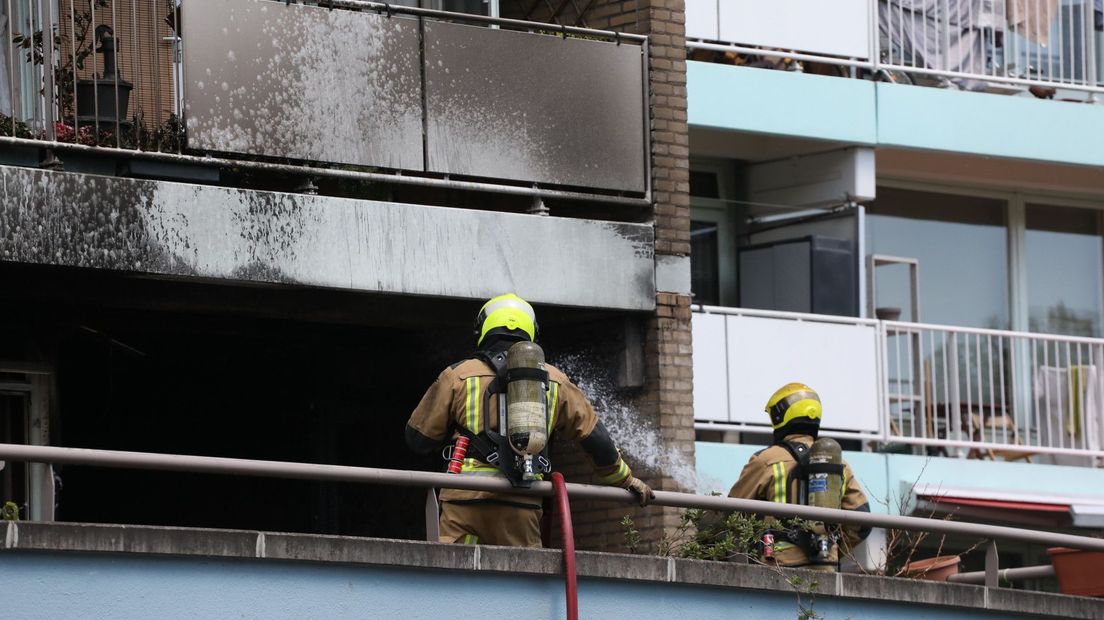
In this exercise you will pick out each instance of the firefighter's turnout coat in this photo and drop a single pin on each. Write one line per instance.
(765, 478)
(456, 401)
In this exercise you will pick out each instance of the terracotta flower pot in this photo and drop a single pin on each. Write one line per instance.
(933, 569)
(1079, 572)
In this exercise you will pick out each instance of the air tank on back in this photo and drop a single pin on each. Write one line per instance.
(526, 407)
(825, 488)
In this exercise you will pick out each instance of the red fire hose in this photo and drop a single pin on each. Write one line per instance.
(568, 546)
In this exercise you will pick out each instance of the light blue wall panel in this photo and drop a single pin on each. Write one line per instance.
(780, 102)
(862, 112)
(986, 124)
(55, 585)
(719, 465)
(888, 476)
(902, 470)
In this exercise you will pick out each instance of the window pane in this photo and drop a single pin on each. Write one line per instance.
(704, 184)
(1064, 264)
(961, 243)
(704, 276)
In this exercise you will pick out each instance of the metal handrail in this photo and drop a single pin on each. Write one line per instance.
(904, 326)
(784, 314)
(309, 170)
(1006, 574)
(393, 477)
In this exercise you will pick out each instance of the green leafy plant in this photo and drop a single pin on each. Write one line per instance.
(806, 590)
(632, 535)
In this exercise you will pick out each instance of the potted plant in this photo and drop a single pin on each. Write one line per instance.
(1078, 571)
(103, 99)
(938, 568)
(98, 93)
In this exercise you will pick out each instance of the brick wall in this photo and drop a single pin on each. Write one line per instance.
(666, 401)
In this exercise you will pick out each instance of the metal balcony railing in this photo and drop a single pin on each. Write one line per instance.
(985, 393)
(310, 471)
(351, 89)
(968, 44)
(955, 391)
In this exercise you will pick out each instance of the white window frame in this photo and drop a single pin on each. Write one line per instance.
(720, 211)
(1015, 227)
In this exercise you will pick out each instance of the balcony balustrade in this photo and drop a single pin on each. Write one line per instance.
(358, 88)
(950, 391)
(1007, 46)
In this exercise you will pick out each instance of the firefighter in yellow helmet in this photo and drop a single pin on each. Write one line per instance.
(795, 413)
(463, 401)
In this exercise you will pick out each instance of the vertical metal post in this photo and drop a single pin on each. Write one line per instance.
(49, 99)
(115, 77)
(992, 565)
(433, 525)
(41, 491)
(955, 406)
(11, 67)
(944, 65)
(73, 51)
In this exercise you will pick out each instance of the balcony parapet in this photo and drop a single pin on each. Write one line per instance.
(734, 582)
(198, 231)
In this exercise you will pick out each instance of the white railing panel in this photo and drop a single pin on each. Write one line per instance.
(839, 28)
(839, 360)
(701, 20)
(710, 367)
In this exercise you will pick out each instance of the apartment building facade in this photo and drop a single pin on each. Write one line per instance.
(899, 204)
(274, 245)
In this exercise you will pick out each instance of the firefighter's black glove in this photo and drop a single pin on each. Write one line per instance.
(642, 491)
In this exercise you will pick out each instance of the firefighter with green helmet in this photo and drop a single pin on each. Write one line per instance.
(494, 414)
(799, 468)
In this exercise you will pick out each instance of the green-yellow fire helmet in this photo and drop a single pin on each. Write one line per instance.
(507, 312)
(791, 402)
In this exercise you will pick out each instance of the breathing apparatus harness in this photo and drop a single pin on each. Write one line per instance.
(505, 448)
(818, 474)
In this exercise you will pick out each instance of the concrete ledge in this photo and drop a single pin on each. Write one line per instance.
(916, 590)
(261, 546)
(26, 535)
(621, 566)
(1044, 603)
(723, 574)
(380, 551)
(517, 560)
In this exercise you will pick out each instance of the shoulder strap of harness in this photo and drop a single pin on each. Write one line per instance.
(800, 471)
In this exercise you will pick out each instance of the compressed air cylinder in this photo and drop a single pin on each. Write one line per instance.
(526, 411)
(825, 488)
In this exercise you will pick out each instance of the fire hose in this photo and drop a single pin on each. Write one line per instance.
(564, 508)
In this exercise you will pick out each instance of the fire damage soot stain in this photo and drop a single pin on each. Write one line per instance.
(80, 221)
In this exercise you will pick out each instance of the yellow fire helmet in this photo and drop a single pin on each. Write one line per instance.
(793, 401)
(507, 312)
